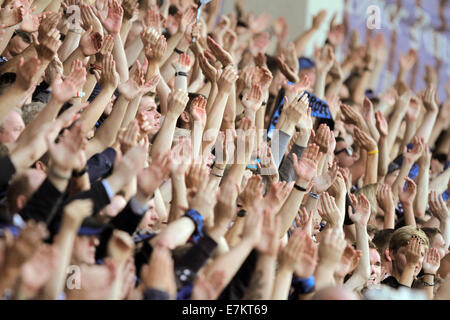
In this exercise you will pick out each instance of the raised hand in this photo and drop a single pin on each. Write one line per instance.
(110, 77)
(364, 140)
(63, 91)
(407, 196)
(26, 71)
(413, 251)
(224, 57)
(252, 192)
(128, 137)
(381, 124)
(414, 109)
(208, 70)
(228, 78)
(407, 61)
(384, 198)
(226, 201)
(330, 212)
(30, 22)
(113, 21)
(178, 102)
(290, 74)
(183, 64)
(324, 59)
(47, 47)
(204, 199)
(323, 182)
(91, 42)
(269, 241)
(349, 261)
(438, 206)
(322, 138)
(430, 99)
(362, 210)
(155, 52)
(68, 153)
(196, 173)
(318, 19)
(198, 110)
(133, 87)
(76, 211)
(150, 178)
(351, 116)
(149, 36)
(331, 247)
(89, 18)
(432, 262)
(12, 14)
(130, 9)
(415, 153)
(277, 195)
(306, 168)
(253, 100)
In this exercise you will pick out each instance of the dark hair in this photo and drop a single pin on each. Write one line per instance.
(382, 238)
(6, 80)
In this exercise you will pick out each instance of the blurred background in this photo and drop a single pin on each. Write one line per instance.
(406, 24)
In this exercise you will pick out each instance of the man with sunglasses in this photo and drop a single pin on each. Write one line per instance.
(344, 153)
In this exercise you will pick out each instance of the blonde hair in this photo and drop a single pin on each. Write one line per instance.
(401, 237)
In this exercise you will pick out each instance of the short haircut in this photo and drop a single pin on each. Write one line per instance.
(382, 239)
(31, 110)
(401, 237)
(20, 184)
(371, 229)
(372, 245)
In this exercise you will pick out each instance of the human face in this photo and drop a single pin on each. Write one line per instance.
(391, 177)
(84, 250)
(151, 218)
(12, 127)
(439, 244)
(375, 267)
(148, 108)
(344, 159)
(399, 260)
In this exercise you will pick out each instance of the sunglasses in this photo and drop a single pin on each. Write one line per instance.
(349, 151)
(25, 36)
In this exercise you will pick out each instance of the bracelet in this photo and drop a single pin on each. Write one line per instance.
(427, 284)
(242, 213)
(429, 274)
(314, 195)
(197, 218)
(75, 31)
(216, 175)
(181, 73)
(57, 175)
(299, 188)
(77, 174)
(373, 152)
(178, 51)
(264, 104)
(221, 169)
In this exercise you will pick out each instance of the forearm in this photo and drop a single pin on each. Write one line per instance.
(8, 278)
(407, 276)
(229, 115)
(383, 160)
(362, 271)
(163, 141)
(64, 243)
(233, 235)
(88, 88)
(106, 134)
(282, 283)
(77, 54)
(302, 41)
(176, 233)
(323, 276)
(179, 197)
(389, 218)
(440, 183)
(163, 92)
(181, 83)
(214, 120)
(394, 124)
(319, 86)
(93, 112)
(259, 123)
(290, 208)
(410, 131)
(70, 44)
(172, 43)
(375, 75)
(371, 175)
(334, 89)
(445, 230)
(261, 284)
(360, 91)
(125, 29)
(53, 6)
(120, 58)
(211, 98)
(133, 51)
(408, 214)
(9, 100)
(426, 127)
(131, 111)
(421, 199)
(400, 180)
(4, 40)
(196, 139)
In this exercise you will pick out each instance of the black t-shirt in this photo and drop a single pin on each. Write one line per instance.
(392, 282)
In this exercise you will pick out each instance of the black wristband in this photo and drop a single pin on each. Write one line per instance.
(242, 213)
(77, 174)
(178, 51)
(299, 188)
(181, 73)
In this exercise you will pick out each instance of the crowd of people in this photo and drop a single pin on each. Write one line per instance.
(151, 153)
